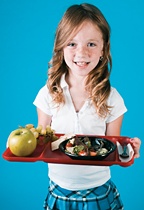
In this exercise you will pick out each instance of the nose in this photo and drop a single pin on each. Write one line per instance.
(81, 51)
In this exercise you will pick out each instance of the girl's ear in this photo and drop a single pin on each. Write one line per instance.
(102, 52)
(101, 58)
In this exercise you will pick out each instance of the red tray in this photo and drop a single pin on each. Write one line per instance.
(44, 153)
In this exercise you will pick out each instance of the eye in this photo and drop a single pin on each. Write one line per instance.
(91, 44)
(72, 44)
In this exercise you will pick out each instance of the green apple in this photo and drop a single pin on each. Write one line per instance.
(22, 142)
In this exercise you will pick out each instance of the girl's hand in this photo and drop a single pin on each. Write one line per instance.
(136, 142)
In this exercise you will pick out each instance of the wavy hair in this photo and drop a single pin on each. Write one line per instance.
(97, 81)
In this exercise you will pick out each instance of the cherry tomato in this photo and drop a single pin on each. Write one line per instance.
(68, 144)
(93, 153)
(82, 153)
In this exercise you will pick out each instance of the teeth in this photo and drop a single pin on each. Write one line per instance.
(81, 63)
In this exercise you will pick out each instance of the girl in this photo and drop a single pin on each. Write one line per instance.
(78, 98)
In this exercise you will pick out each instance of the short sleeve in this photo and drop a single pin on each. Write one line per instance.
(42, 100)
(116, 101)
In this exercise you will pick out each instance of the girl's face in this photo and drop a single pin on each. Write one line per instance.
(83, 52)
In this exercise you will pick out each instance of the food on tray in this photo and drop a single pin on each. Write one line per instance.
(22, 142)
(82, 146)
(55, 144)
(88, 147)
(43, 135)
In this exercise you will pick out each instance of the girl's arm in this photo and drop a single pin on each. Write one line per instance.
(114, 128)
(43, 118)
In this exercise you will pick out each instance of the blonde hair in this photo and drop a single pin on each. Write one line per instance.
(97, 82)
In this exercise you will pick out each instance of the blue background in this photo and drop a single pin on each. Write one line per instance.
(27, 29)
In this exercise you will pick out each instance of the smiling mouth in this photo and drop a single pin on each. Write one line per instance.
(81, 63)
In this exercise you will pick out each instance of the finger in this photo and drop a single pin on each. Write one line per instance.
(137, 155)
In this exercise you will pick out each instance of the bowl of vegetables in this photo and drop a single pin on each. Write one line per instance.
(87, 147)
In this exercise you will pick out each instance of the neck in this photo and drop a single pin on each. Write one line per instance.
(72, 79)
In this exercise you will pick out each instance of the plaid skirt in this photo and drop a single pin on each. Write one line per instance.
(105, 197)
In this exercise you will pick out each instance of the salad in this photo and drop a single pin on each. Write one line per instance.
(83, 146)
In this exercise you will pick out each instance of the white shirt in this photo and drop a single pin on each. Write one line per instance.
(86, 121)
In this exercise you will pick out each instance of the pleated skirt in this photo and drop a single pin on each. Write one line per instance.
(105, 197)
